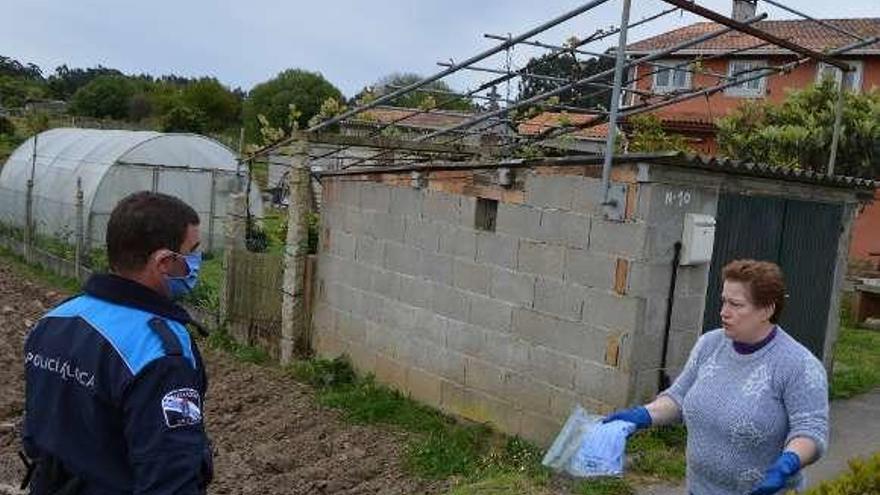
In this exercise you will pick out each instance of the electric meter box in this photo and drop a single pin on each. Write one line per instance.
(698, 239)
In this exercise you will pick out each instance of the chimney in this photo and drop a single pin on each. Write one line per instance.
(744, 10)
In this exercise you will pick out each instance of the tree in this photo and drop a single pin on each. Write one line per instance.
(646, 135)
(103, 97)
(297, 88)
(183, 118)
(567, 67)
(20, 83)
(6, 126)
(66, 81)
(139, 107)
(430, 97)
(219, 106)
(798, 132)
(14, 68)
(16, 91)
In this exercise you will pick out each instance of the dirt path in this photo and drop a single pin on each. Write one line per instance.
(269, 434)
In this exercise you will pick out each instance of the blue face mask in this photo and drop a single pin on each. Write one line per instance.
(181, 286)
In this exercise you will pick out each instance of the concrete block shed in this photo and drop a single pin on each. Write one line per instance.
(503, 293)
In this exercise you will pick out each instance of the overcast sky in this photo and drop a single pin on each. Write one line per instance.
(351, 42)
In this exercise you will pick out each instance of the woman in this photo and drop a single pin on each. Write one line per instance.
(754, 400)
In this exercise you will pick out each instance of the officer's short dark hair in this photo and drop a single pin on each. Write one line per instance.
(143, 223)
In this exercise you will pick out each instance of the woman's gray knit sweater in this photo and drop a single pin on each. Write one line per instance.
(742, 409)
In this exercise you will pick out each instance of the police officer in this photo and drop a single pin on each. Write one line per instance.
(114, 383)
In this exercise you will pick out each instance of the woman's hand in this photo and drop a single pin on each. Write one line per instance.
(638, 416)
(786, 466)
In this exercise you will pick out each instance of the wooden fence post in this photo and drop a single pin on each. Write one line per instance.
(233, 240)
(29, 208)
(80, 236)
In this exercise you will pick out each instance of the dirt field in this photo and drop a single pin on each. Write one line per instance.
(270, 436)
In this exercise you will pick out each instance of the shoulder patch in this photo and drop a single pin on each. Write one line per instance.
(182, 407)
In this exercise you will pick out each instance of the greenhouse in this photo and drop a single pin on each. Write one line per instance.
(80, 174)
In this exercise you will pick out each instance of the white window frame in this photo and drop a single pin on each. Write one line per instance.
(740, 91)
(858, 75)
(660, 70)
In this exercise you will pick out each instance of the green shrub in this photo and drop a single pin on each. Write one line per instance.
(322, 373)
(6, 126)
(862, 478)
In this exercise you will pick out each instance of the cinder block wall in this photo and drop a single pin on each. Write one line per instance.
(512, 327)
(664, 201)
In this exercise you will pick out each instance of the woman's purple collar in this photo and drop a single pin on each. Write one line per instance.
(743, 348)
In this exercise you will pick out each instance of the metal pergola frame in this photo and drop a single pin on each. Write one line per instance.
(443, 145)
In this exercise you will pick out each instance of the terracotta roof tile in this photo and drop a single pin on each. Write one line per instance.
(549, 120)
(415, 118)
(803, 32)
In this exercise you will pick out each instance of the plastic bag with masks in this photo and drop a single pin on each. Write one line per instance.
(586, 447)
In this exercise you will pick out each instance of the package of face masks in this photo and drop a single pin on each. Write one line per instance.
(586, 447)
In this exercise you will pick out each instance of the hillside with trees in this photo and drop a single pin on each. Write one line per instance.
(32, 99)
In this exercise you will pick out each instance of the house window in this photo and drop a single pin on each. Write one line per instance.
(670, 77)
(487, 212)
(746, 70)
(852, 80)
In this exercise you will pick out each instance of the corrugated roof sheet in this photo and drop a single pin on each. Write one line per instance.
(674, 159)
(803, 32)
(740, 167)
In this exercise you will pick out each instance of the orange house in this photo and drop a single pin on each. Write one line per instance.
(707, 64)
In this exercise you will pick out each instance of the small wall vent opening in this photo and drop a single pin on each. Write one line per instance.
(487, 213)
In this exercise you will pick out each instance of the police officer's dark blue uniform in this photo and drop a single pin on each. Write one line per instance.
(114, 391)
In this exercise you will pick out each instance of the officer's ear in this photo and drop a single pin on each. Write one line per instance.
(169, 263)
(161, 260)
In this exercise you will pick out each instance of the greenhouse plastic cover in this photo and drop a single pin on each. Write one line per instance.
(111, 163)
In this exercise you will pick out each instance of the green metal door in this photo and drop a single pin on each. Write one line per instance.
(802, 237)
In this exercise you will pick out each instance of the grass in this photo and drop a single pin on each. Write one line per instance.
(606, 486)
(206, 295)
(659, 452)
(856, 358)
(440, 446)
(274, 225)
(219, 339)
(482, 461)
(856, 362)
(19, 264)
(502, 484)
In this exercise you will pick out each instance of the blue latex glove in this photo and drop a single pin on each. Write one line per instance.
(774, 480)
(638, 416)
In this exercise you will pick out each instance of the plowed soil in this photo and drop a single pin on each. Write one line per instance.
(270, 435)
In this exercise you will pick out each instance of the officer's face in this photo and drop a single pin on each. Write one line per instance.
(169, 263)
(191, 243)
